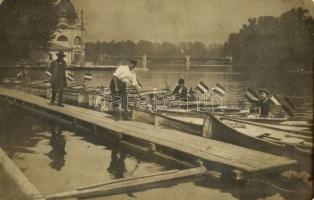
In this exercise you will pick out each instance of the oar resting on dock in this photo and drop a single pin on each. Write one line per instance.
(135, 184)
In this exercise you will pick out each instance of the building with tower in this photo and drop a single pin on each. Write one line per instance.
(69, 34)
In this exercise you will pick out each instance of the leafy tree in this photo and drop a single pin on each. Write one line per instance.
(25, 24)
(105, 50)
(287, 39)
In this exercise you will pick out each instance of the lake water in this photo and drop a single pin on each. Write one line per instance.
(282, 81)
(56, 159)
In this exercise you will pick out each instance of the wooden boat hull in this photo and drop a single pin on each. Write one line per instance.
(259, 138)
(284, 121)
(171, 121)
(176, 123)
(304, 130)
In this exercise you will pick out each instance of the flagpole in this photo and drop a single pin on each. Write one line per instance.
(212, 99)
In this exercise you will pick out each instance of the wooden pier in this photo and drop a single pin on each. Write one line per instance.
(211, 152)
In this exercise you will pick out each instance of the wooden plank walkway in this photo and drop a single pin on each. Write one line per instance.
(224, 154)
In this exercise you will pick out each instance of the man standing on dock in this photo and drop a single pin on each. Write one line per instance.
(124, 76)
(58, 78)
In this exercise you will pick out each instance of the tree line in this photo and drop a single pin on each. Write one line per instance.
(268, 40)
(25, 24)
(100, 50)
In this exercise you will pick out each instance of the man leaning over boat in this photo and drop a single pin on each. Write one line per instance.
(123, 76)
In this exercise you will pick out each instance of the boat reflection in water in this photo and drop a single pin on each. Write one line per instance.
(57, 153)
(117, 164)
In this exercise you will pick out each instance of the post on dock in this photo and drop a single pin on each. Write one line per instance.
(187, 62)
(144, 64)
(207, 127)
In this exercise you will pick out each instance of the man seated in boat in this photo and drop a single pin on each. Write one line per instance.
(123, 76)
(264, 104)
(180, 91)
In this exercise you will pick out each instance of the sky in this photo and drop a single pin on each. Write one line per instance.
(209, 21)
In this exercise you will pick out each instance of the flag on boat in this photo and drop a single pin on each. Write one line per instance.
(290, 103)
(88, 77)
(70, 76)
(191, 92)
(48, 73)
(251, 95)
(289, 107)
(220, 90)
(202, 88)
(20, 74)
(288, 110)
(275, 100)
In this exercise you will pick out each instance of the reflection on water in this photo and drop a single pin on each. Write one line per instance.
(57, 142)
(56, 159)
(117, 163)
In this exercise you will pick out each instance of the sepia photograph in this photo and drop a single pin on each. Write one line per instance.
(156, 99)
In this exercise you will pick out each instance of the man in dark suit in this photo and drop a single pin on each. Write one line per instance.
(58, 78)
(180, 91)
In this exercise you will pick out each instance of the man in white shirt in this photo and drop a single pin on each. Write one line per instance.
(123, 76)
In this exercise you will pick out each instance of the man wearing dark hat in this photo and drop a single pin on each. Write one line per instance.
(264, 103)
(58, 78)
(181, 91)
(123, 76)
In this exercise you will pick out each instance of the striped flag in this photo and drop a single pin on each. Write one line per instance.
(48, 73)
(191, 92)
(290, 103)
(251, 95)
(275, 100)
(288, 109)
(202, 88)
(220, 90)
(88, 77)
(70, 77)
(20, 74)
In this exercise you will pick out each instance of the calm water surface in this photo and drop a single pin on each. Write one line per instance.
(56, 159)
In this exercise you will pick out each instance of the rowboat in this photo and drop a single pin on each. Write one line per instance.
(186, 120)
(289, 126)
(191, 122)
(284, 121)
(290, 141)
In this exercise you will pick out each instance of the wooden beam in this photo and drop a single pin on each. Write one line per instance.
(125, 185)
